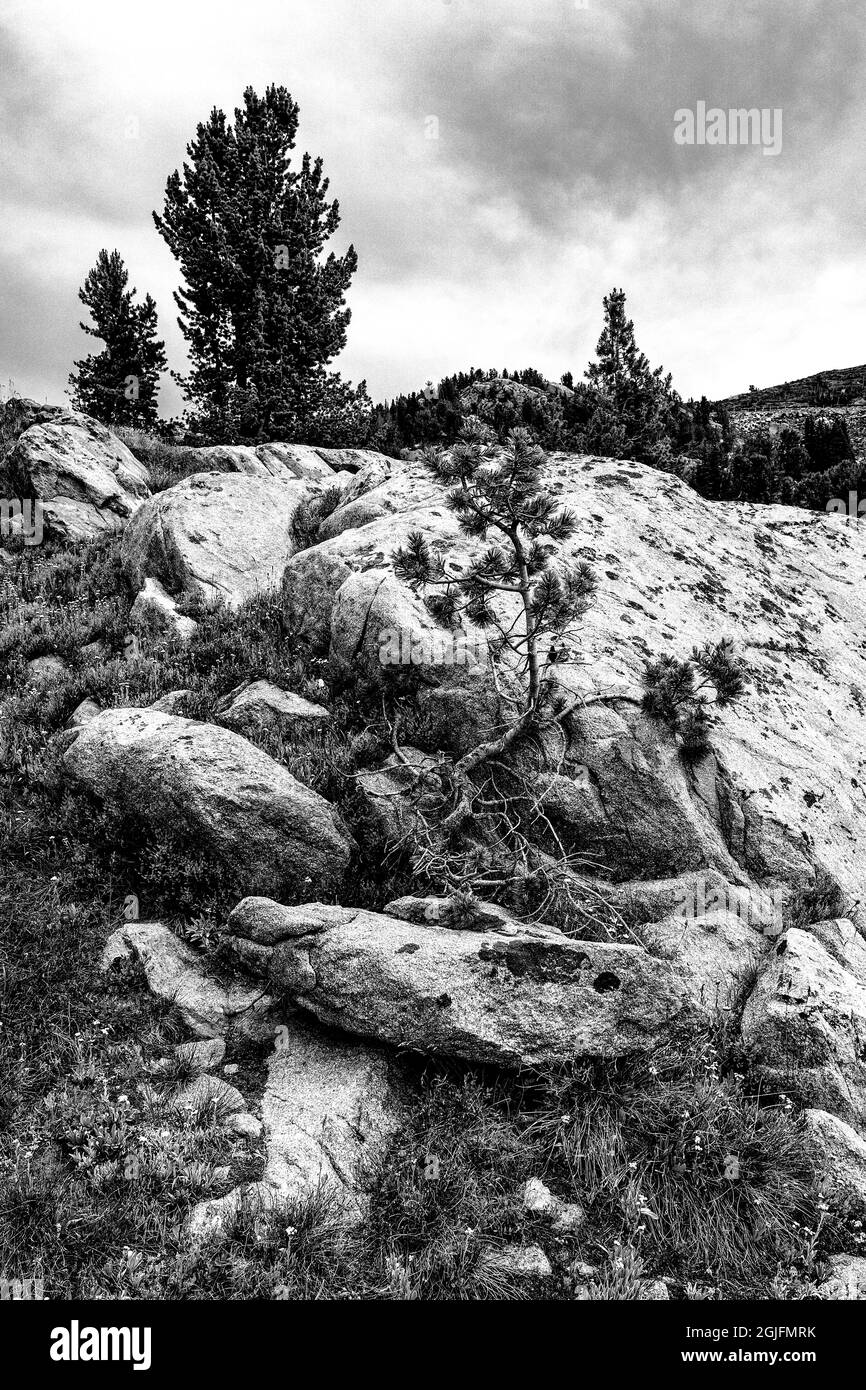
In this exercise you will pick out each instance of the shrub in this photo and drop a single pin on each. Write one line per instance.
(671, 695)
(310, 515)
(166, 463)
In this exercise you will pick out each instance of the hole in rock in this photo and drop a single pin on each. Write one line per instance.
(606, 982)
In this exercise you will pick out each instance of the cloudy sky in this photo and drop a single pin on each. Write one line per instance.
(500, 164)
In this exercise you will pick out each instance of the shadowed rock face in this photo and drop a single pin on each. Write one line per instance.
(217, 788)
(281, 462)
(531, 999)
(18, 414)
(782, 792)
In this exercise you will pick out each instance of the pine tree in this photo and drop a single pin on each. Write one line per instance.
(262, 310)
(672, 696)
(118, 385)
(509, 499)
(506, 504)
(638, 397)
(827, 441)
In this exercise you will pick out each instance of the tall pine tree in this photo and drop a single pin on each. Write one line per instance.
(637, 406)
(118, 385)
(262, 309)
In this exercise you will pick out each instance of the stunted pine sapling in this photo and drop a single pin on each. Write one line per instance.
(505, 497)
(672, 696)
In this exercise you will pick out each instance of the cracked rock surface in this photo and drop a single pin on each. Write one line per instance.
(805, 1024)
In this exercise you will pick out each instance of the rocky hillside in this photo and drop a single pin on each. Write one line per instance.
(841, 386)
(789, 405)
(225, 692)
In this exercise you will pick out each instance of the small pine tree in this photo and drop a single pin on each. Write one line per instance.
(118, 385)
(508, 499)
(672, 695)
(505, 497)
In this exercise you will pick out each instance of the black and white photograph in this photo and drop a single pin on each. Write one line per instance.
(432, 676)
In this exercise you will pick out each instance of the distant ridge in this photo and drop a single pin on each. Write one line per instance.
(841, 386)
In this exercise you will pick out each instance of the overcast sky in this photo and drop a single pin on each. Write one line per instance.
(555, 174)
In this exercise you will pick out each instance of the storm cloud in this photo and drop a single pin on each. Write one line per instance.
(499, 164)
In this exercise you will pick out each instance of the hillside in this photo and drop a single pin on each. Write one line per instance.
(335, 967)
(843, 386)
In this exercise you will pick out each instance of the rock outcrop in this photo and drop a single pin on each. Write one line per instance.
(215, 788)
(86, 480)
(283, 462)
(842, 1157)
(215, 537)
(261, 704)
(784, 790)
(533, 999)
(805, 1027)
(19, 413)
(714, 871)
